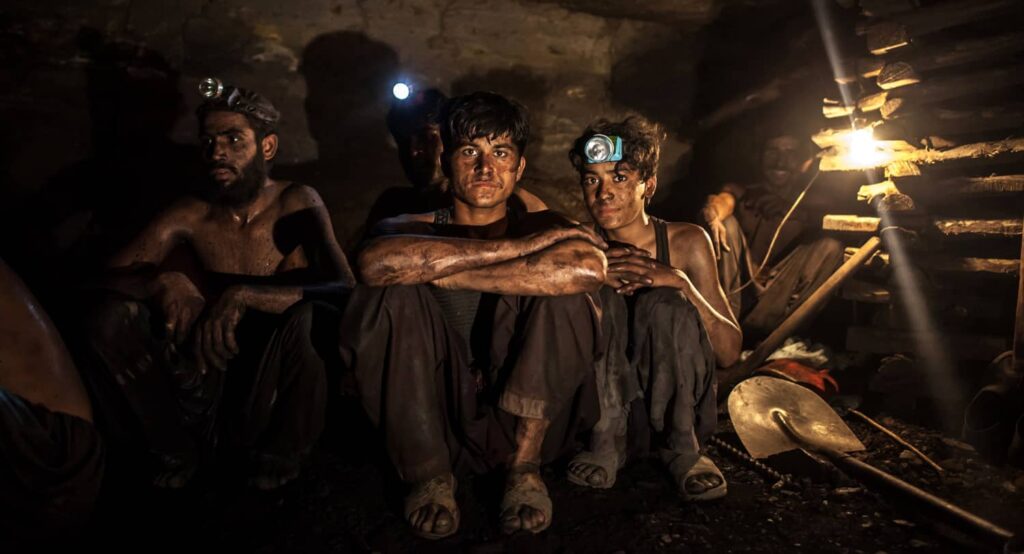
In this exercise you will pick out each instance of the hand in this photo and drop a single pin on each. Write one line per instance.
(539, 241)
(719, 237)
(631, 269)
(180, 302)
(215, 342)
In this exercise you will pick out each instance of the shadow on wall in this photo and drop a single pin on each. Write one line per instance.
(348, 81)
(94, 207)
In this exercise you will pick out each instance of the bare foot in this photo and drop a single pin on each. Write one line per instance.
(271, 472)
(526, 505)
(430, 508)
(590, 474)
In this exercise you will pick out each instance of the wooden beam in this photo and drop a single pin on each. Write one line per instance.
(975, 150)
(1018, 330)
(945, 227)
(891, 102)
(874, 340)
(933, 122)
(900, 29)
(953, 264)
(900, 152)
(962, 186)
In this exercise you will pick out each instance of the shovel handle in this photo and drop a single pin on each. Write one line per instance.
(887, 483)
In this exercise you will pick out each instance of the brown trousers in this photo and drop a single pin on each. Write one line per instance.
(791, 280)
(270, 400)
(447, 404)
(657, 350)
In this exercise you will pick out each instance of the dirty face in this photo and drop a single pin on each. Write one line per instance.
(236, 162)
(782, 160)
(424, 159)
(484, 171)
(614, 193)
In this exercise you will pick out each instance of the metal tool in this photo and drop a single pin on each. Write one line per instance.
(772, 416)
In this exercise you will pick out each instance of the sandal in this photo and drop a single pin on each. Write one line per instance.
(439, 491)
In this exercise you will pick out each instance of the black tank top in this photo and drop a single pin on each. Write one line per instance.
(660, 239)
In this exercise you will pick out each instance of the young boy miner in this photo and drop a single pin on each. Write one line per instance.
(666, 319)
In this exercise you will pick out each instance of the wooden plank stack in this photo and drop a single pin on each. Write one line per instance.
(940, 84)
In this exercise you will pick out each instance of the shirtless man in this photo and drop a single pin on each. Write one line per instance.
(742, 221)
(473, 344)
(51, 457)
(263, 246)
(666, 319)
(413, 124)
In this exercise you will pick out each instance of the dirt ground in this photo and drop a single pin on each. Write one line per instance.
(346, 502)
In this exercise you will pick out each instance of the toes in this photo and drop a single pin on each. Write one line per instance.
(531, 518)
(442, 521)
(597, 476)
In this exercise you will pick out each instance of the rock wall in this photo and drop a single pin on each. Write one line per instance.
(100, 94)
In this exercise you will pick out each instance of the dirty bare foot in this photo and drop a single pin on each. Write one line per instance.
(526, 505)
(430, 507)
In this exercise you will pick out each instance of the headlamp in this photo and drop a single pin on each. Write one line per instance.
(211, 88)
(603, 148)
(401, 90)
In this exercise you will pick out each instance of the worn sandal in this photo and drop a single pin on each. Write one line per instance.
(520, 492)
(703, 466)
(439, 491)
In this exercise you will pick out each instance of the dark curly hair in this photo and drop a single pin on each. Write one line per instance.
(260, 112)
(641, 143)
(483, 114)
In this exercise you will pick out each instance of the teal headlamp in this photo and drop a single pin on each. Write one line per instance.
(603, 148)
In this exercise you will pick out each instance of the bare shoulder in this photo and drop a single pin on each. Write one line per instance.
(296, 196)
(690, 245)
(532, 202)
(182, 213)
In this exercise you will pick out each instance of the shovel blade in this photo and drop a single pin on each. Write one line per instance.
(753, 403)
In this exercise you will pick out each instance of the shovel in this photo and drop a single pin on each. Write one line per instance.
(772, 416)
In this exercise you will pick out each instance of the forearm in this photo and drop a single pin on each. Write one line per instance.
(140, 283)
(569, 267)
(277, 299)
(726, 337)
(412, 260)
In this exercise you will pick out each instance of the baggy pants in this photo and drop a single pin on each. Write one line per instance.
(444, 405)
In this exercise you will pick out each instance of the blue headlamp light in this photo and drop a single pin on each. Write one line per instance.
(603, 148)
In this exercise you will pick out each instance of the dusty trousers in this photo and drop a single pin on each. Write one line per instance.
(269, 401)
(657, 373)
(445, 402)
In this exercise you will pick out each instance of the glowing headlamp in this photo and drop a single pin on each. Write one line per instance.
(602, 148)
(211, 88)
(401, 90)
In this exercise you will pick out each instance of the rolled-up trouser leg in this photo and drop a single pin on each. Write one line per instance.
(732, 264)
(405, 359)
(673, 355)
(542, 356)
(797, 276)
(283, 412)
(127, 349)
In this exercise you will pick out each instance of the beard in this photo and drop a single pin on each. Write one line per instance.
(245, 187)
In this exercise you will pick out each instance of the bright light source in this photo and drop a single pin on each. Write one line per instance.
(401, 90)
(863, 151)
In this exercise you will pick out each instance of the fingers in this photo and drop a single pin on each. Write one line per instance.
(229, 337)
(197, 350)
(716, 242)
(622, 251)
(217, 332)
(590, 236)
(186, 321)
(209, 350)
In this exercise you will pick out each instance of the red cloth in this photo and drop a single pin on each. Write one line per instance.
(818, 380)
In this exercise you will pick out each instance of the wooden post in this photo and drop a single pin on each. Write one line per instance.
(810, 306)
(1018, 333)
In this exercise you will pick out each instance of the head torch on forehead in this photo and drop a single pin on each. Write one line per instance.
(238, 100)
(603, 148)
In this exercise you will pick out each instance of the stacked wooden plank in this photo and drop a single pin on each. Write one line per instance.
(939, 84)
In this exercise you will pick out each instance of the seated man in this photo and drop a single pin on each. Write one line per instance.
(226, 356)
(666, 320)
(414, 126)
(742, 221)
(473, 344)
(51, 457)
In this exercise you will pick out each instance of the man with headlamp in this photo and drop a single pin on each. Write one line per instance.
(224, 356)
(666, 321)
